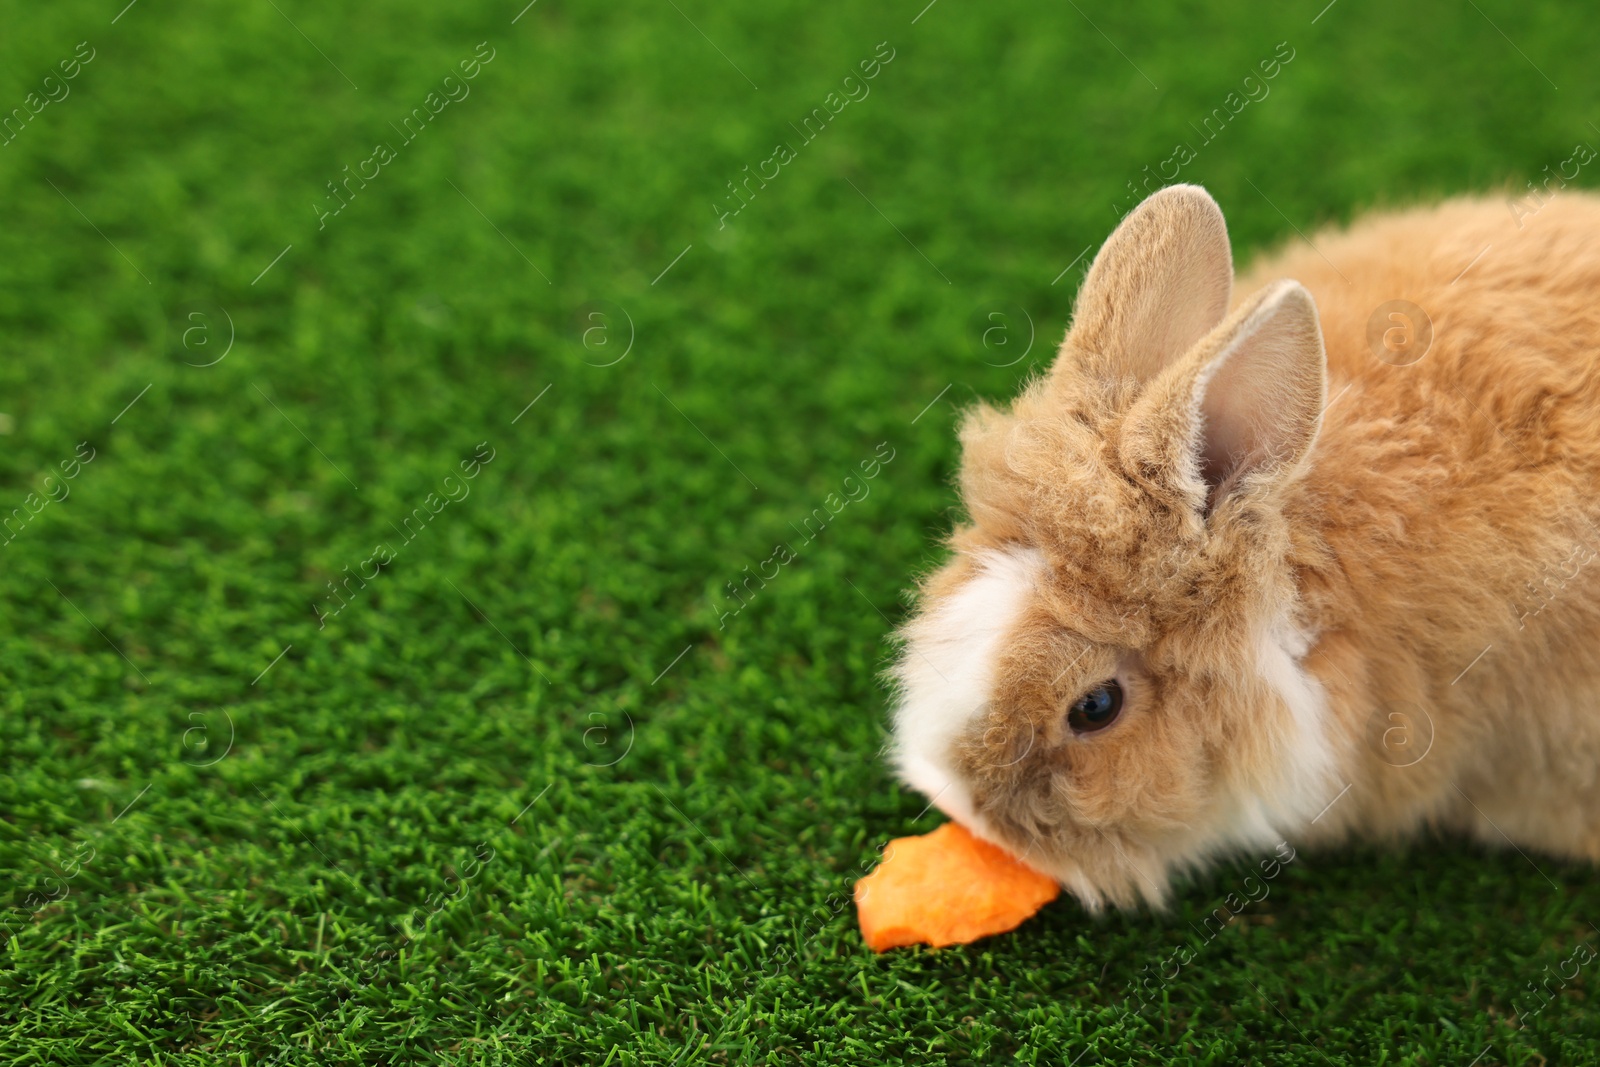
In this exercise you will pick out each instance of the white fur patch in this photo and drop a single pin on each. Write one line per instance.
(946, 675)
(1303, 779)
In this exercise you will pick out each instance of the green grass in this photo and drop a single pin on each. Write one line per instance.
(523, 799)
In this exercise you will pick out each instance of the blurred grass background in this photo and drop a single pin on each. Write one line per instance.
(523, 799)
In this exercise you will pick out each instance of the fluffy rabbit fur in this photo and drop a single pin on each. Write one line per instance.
(1342, 597)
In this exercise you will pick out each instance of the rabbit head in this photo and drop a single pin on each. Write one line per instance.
(1105, 678)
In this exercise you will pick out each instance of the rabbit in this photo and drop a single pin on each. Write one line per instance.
(1305, 559)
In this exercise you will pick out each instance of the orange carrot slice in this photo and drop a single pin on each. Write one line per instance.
(947, 888)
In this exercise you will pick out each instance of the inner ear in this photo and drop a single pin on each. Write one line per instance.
(1259, 397)
(1240, 409)
(1159, 284)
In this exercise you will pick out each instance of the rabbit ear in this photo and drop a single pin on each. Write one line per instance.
(1162, 280)
(1243, 406)
(1261, 396)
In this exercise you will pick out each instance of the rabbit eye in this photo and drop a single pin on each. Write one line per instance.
(1096, 709)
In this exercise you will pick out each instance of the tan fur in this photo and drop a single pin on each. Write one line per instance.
(1193, 500)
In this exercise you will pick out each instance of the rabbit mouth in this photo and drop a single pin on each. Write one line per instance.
(946, 792)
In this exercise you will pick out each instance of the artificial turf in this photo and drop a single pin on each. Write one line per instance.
(533, 786)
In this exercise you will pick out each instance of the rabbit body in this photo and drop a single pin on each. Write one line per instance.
(1311, 556)
(1451, 511)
